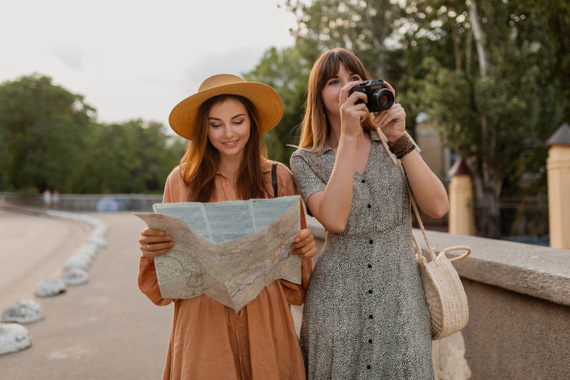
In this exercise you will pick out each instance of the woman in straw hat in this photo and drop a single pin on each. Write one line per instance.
(366, 285)
(225, 121)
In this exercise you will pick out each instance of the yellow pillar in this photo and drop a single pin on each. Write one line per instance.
(558, 171)
(461, 218)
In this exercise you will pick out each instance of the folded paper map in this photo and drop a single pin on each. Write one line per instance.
(229, 250)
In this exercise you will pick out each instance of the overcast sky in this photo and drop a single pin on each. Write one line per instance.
(137, 58)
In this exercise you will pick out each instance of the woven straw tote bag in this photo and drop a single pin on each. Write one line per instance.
(445, 296)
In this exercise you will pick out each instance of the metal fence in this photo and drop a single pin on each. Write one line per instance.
(521, 220)
(525, 221)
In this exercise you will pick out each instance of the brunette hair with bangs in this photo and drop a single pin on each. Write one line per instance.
(200, 162)
(314, 127)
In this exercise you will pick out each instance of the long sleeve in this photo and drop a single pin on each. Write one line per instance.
(147, 280)
(148, 283)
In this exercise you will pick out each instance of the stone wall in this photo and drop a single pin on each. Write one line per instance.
(519, 301)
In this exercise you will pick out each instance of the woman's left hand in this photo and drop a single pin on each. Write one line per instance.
(304, 245)
(392, 121)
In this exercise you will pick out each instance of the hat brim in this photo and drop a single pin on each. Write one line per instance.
(267, 102)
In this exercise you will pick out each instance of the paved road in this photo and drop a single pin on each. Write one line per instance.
(105, 329)
(32, 249)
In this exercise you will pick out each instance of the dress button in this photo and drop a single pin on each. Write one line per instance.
(369, 340)
(369, 206)
(368, 366)
(370, 241)
(369, 265)
(370, 316)
(370, 291)
(363, 181)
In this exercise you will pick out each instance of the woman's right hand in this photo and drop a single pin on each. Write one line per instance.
(352, 114)
(154, 242)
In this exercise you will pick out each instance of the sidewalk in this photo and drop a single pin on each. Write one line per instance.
(105, 329)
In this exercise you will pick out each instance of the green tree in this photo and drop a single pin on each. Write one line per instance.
(131, 157)
(493, 76)
(49, 139)
(287, 72)
(504, 95)
(43, 128)
(360, 26)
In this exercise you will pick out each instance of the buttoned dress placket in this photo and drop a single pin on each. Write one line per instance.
(369, 282)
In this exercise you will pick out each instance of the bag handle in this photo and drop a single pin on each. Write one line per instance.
(274, 179)
(430, 249)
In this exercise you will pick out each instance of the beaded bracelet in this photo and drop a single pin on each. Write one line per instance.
(402, 146)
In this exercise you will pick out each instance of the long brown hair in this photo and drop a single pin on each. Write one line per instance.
(315, 128)
(200, 162)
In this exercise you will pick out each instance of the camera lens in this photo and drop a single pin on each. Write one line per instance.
(382, 99)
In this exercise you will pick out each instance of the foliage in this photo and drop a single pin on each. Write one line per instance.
(133, 157)
(496, 109)
(287, 72)
(43, 128)
(360, 26)
(49, 139)
(494, 100)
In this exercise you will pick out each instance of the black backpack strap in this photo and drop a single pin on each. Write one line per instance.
(274, 179)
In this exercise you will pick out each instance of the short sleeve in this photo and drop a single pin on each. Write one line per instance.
(306, 179)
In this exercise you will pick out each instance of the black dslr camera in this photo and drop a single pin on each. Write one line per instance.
(380, 98)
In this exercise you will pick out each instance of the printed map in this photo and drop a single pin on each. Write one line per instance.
(229, 250)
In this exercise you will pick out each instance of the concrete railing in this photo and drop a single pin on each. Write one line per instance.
(519, 303)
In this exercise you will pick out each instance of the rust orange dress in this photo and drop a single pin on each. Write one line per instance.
(211, 341)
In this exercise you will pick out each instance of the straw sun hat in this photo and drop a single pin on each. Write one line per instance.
(266, 100)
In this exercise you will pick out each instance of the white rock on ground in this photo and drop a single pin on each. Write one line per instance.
(50, 288)
(77, 262)
(88, 249)
(74, 276)
(24, 311)
(13, 338)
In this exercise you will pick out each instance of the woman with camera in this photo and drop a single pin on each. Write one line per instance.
(365, 315)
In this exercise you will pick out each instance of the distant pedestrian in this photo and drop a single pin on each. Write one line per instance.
(55, 199)
(46, 198)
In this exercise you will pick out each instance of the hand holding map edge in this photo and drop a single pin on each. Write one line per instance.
(235, 269)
